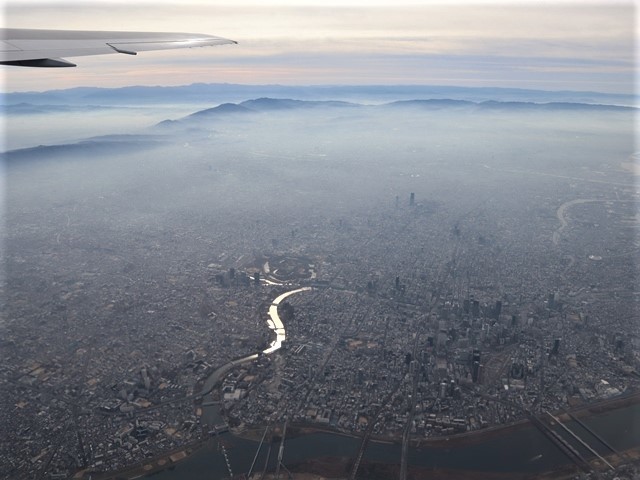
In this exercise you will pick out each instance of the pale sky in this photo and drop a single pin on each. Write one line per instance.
(544, 45)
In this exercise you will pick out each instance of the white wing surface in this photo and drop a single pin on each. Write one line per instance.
(45, 48)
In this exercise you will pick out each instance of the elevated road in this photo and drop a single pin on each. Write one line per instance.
(369, 431)
(281, 450)
(593, 434)
(404, 464)
(561, 443)
(555, 438)
(407, 431)
(582, 442)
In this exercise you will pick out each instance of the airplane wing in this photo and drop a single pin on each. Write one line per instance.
(44, 48)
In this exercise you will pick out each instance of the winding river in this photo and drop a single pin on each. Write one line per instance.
(560, 213)
(523, 450)
(276, 324)
(211, 416)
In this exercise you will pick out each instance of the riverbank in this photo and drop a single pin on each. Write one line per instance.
(460, 439)
(164, 461)
(331, 468)
(479, 436)
(338, 468)
(606, 405)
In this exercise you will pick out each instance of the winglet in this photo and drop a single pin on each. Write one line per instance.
(121, 50)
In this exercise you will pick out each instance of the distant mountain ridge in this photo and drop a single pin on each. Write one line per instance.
(262, 105)
(266, 103)
(199, 93)
(84, 149)
(493, 104)
(30, 108)
(275, 106)
(223, 108)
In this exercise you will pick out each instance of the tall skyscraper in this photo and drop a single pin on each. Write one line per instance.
(475, 309)
(412, 199)
(475, 371)
(475, 366)
(443, 389)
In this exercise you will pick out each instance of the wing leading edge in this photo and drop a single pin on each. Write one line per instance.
(44, 48)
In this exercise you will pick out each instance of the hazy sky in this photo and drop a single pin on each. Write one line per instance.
(546, 45)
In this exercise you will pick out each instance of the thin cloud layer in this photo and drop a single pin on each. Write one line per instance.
(527, 45)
